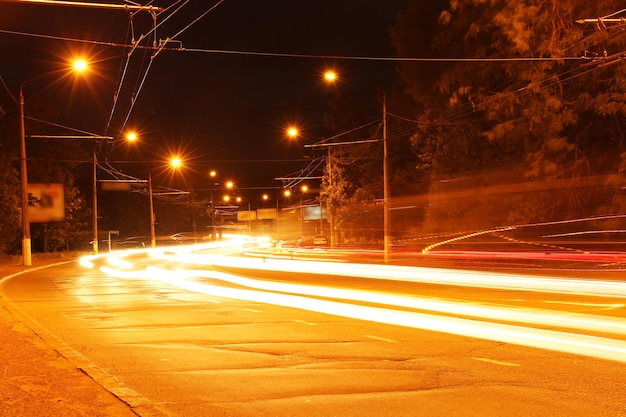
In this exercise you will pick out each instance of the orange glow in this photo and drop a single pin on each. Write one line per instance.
(131, 136)
(292, 132)
(176, 162)
(330, 76)
(80, 65)
(287, 193)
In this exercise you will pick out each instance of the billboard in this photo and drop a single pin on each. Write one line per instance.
(314, 212)
(266, 213)
(46, 203)
(246, 216)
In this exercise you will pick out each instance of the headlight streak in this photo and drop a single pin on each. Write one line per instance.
(297, 296)
(412, 274)
(592, 346)
(500, 313)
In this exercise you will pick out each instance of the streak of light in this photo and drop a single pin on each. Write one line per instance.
(117, 260)
(519, 314)
(538, 338)
(87, 262)
(595, 305)
(410, 274)
(522, 315)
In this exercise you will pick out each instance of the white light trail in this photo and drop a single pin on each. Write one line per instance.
(411, 274)
(344, 302)
(593, 346)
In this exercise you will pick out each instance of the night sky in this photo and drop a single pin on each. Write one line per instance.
(223, 111)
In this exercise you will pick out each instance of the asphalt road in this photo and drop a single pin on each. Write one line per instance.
(192, 344)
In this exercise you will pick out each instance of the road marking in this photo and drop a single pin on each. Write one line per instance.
(308, 323)
(496, 362)
(251, 310)
(382, 339)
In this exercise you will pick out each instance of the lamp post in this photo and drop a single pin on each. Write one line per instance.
(95, 203)
(78, 66)
(26, 248)
(386, 214)
(212, 175)
(152, 220)
(331, 76)
(303, 190)
(174, 162)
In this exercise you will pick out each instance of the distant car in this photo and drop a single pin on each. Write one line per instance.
(132, 242)
(312, 241)
(181, 237)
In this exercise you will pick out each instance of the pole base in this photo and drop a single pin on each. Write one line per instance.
(27, 259)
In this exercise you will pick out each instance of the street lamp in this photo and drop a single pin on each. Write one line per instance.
(78, 66)
(174, 162)
(292, 132)
(130, 137)
(212, 175)
(331, 76)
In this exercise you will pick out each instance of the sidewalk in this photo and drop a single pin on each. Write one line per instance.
(35, 380)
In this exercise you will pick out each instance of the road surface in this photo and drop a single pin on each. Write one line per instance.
(195, 333)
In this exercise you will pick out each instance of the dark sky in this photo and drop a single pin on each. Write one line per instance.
(223, 110)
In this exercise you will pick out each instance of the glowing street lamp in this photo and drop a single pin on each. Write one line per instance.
(292, 132)
(330, 76)
(175, 162)
(131, 136)
(80, 65)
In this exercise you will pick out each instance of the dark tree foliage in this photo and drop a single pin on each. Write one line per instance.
(556, 119)
(49, 161)
(10, 205)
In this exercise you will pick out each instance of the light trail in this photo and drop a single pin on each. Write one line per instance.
(405, 273)
(344, 302)
(592, 346)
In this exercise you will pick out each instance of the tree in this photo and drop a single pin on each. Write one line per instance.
(561, 117)
(49, 161)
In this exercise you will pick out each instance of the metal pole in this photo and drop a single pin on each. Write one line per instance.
(277, 219)
(213, 237)
(95, 204)
(386, 217)
(26, 247)
(329, 208)
(152, 232)
(321, 218)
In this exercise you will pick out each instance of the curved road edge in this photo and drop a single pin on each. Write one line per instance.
(43, 375)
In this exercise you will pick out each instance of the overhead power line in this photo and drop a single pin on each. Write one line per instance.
(86, 4)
